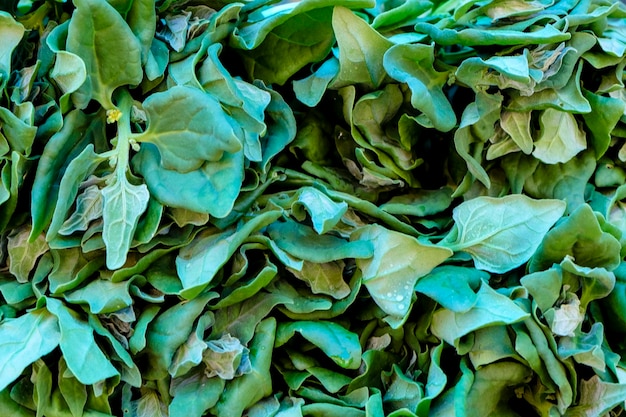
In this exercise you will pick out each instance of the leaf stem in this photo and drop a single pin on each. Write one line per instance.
(124, 134)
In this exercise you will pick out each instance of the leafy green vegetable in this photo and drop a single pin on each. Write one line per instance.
(314, 207)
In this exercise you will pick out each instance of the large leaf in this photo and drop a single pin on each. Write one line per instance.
(177, 125)
(98, 34)
(399, 261)
(25, 339)
(83, 355)
(502, 233)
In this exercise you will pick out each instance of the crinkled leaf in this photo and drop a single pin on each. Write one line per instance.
(248, 389)
(413, 64)
(23, 254)
(226, 357)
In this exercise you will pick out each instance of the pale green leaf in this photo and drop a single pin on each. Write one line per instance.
(123, 203)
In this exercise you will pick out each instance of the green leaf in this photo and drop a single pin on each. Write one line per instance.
(399, 261)
(102, 296)
(420, 203)
(168, 331)
(585, 348)
(267, 61)
(413, 64)
(402, 391)
(338, 343)
(241, 319)
(17, 132)
(324, 278)
(25, 339)
(247, 290)
(122, 205)
(493, 386)
(560, 138)
(491, 36)
(11, 33)
(517, 125)
(98, 34)
(77, 170)
(61, 148)
(502, 233)
(361, 51)
(88, 209)
(177, 126)
(581, 237)
(71, 268)
(491, 309)
(452, 286)
(598, 397)
(213, 188)
(73, 391)
(82, 354)
(325, 213)
(195, 395)
(226, 357)
(544, 286)
(248, 389)
(604, 116)
(24, 254)
(198, 263)
(562, 181)
(302, 242)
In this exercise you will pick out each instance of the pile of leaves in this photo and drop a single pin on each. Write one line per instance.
(348, 208)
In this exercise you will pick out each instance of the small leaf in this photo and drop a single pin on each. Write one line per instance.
(324, 278)
(566, 318)
(23, 254)
(88, 208)
(361, 50)
(338, 343)
(560, 138)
